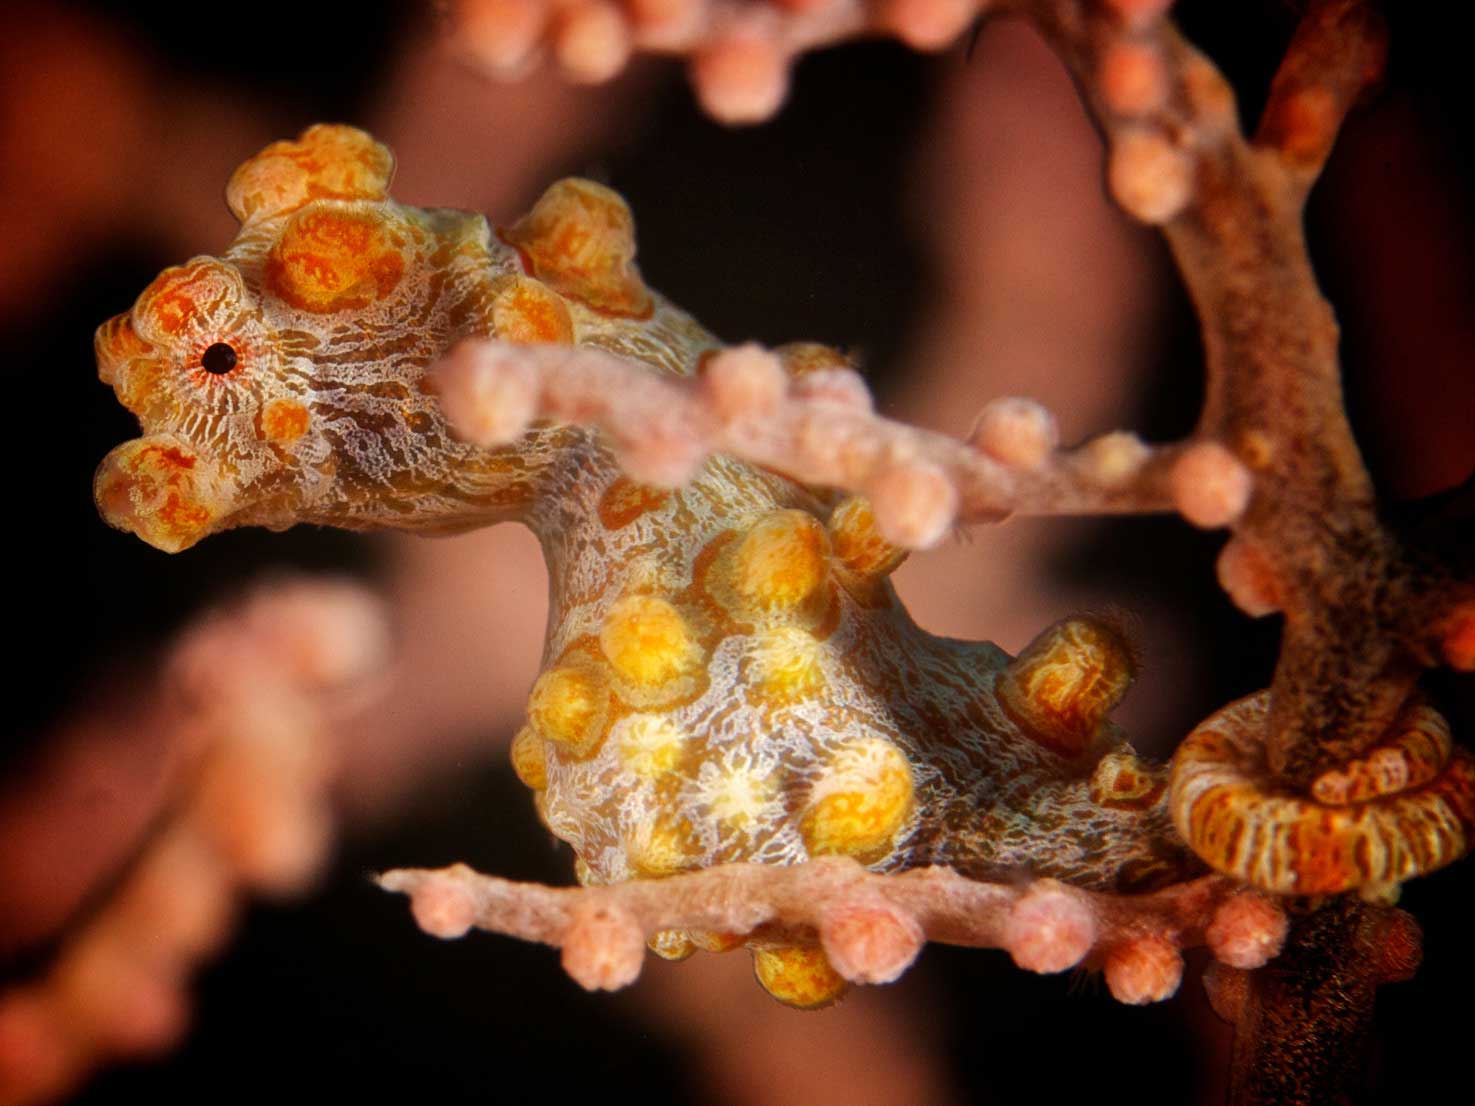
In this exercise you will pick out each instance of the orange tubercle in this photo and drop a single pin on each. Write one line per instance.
(800, 977)
(529, 760)
(284, 421)
(646, 640)
(858, 544)
(327, 161)
(1065, 682)
(330, 260)
(579, 238)
(529, 312)
(182, 297)
(860, 803)
(569, 705)
(782, 560)
(1123, 781)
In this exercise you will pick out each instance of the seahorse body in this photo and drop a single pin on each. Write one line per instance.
(728, 673)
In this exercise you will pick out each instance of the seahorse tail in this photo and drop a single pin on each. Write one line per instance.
(1405, 808)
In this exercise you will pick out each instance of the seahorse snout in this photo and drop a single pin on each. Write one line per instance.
(160, 488)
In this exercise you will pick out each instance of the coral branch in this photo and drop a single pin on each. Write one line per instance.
(248, 696)
(870, 926)
(1339, 50)
(1364, 610)
(740, 53)
(820, 429)
(1301, 1024)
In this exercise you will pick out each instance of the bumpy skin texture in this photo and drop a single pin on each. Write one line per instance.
(728, 674)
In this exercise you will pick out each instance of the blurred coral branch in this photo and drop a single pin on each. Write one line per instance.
(246, 701)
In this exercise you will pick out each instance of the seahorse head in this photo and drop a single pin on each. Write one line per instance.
(285, 381)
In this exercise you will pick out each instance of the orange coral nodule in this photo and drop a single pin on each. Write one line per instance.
(332, 260)
(579, 238)
(859, 803)
(646, 640)
(568, 706)
(1287, 844)
(1147, 969)
(1247, 931)
(154, 487)
(1065, 682)
(798, 976)
(782, 560)
(326, 161)
(530, 313)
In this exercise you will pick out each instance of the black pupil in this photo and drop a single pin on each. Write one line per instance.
(218, 359)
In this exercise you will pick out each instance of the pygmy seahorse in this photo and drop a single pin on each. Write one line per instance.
(728, 674)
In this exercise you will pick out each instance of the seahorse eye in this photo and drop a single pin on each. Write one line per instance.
(219, 359)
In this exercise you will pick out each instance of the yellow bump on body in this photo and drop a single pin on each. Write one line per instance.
(528, 759)
(860, 802)
(646, 640)
(787, 664)
(782, 560)
(1124, 781)
(659, 846)
(1062, 686)
(529, 312)
(671, 944)
(800, 977)
(649, 745)
(569, 705)
(858, 545)
(580, 239)
(329, 260)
